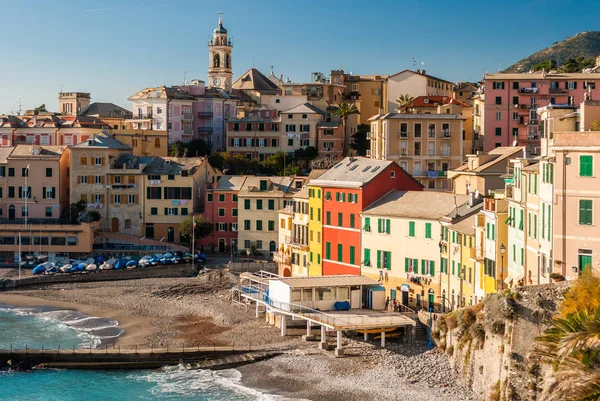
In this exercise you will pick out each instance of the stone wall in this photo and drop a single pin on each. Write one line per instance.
(252, 267)
(492, 354)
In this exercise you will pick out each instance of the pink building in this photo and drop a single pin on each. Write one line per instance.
(575, 217)
(221, 209)
(511, 101)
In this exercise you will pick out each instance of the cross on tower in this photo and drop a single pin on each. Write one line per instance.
(220, 17)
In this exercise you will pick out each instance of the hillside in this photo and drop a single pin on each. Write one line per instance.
(584, 44)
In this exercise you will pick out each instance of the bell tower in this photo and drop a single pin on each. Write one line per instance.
(219, 58)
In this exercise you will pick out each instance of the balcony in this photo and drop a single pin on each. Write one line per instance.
(403, 152)
(279, 257)
(557, 90)
(140, 117)
(477, 253)
(205, 114)
(533, 137)
(298, 242)
(188, 131)
(529, 91)
(435, 174)
(205, 130)
(187, 116)
(446, 134)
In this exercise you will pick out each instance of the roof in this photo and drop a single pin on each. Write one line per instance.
(326, 281)
(540, 76)
(501, 153)
(416, 204)
(172, 165)
(417, 116)
(422, 74)
(163, 92)
(131, 161)
(315, 173)
(230, 183)
(458, 214)
(465, 226)
(253, 79)
(105, 110)
(4, 153)
(352, 171)
(276, 186)
(533, 166)
(433, 101)
(329, 124)
(304, 108)
(43, 151)
(102, 142)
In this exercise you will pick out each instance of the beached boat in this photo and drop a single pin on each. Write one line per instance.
(66, 268)
(145, 261)
(176, 259)
(92, 267)
(109, 264)
(80, 267)
(51, 269)
(120, 264)
(131, 264)
(41, 268)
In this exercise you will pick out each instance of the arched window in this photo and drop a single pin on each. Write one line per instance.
(227, 61)
(216, 60)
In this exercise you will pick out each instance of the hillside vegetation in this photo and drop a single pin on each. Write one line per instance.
(583, 47)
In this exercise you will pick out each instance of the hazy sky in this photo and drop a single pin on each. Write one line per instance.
(114, 48)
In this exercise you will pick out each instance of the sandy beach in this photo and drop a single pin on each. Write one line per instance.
(188, 312)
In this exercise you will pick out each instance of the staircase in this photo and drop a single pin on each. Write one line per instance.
(421, 333)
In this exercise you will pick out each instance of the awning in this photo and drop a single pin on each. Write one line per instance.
(513, 277)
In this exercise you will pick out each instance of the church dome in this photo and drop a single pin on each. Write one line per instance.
(220, 28)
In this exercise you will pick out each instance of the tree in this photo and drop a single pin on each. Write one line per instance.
(323, 162)
(595, 125)
(360, 143)
(545, 65)
(77, 212)
(41, 108)
(177, 149)
(197, 148)
(217, 160)
(405, 103)
(344, 110)
(203, 227)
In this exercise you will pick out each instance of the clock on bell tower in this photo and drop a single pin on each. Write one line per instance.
(219, 58)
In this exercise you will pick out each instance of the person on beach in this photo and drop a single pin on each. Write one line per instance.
(387, 303)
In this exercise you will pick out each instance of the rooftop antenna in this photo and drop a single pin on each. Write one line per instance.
(499, 67)
(61, 86)
(20, 105)
(185, 78)
(272, 73)
(414, 62)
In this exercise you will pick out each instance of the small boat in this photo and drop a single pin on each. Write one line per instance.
(145, 261)
(166, 259)
(80, 267)
(40, 269)
(109, 264)
(176, 259)
(120, 264)
(66, 268)
(92, 267)
(131, 264)
(188, 257)
(51, 269)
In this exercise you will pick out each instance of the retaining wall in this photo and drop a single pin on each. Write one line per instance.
(252, 267)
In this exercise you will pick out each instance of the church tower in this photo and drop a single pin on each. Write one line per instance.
(219, 58)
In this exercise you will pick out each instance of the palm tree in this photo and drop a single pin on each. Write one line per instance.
(343, 110)
(572, 346)
(405, 103)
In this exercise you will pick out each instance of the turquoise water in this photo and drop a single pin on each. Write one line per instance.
(50, 327)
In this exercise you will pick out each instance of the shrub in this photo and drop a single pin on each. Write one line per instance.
(450, 350)
(557, 276)
(495, 394)
(584, 295)
(498, 327)
(435, 334)
(478, 332)
(451, 321)
(468, 317)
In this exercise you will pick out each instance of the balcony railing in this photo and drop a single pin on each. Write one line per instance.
(205, 130)
(533, 122)
(431, 134)
(403, 152)
(557, 90)
(187, 116)
(282, 258)
(529, 91)
(446, 134)
(141, 116)
(295, 241)
(188, 131)
(205, 114)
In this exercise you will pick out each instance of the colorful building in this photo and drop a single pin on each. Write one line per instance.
(315, 227)
(400, 237)
(414, 83)
(348, 189)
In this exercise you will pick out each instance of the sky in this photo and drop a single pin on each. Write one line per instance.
(113, 49)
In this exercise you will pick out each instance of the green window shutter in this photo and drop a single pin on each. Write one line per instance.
(487, 230)
(343, 197)
(352, 220)
(310, 257)
(432, 268)
(388, 260)
(585, 212)
(328, 250)
(328, 219)
(416, 266)
(427, 230)
(271, 225)
(311, 214)
(585, 166)
(319, 214)
(352, 255)
(543, 220)
(339, 252)
(529, 232)
(550, 222)
(521, 218)
(423, 266)
(551, 173)
(535, 226)
(259, 204)
(367, 226)
(406, 263)
(387, 226)
(411, 228)
(247, 204)
(271, 204)
(493, 232)
(340, 220)
(522, 256)
(319, 258)
(535, 184)
(378, 259)
(367, 259)
(379, 225)
(453, 267)
(454, 237)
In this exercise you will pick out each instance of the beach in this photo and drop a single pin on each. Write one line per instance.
(190, 312)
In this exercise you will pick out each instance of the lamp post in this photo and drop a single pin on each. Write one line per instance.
(502, 252)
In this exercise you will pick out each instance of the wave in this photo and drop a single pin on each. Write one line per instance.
(94, 331)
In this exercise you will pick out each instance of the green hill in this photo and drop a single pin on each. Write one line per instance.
(584, 44)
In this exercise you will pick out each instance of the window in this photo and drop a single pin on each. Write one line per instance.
(247, 225)
(498, 100)
(131, 199)
(259, 204)
(184, 211)
(498, 131)
(170, 211)
(367, 258)
(498, 116)
(11, 171)
(271, 225)
(411, 228)
(127, 223)
(498, 85)
(271, 204)
(258, 225)
(417, 130)
(48, 171)
(98, 161)
(586, 166)
(328, 250)
(328, 218)
(585, 212)
(246, 204)
(352, 220)
(99, 179)
(340, 219)
(383, 226)
(428, 230)
(234, 212)
(221, 212)
(340, 252)
(49, 211)
(209, 197)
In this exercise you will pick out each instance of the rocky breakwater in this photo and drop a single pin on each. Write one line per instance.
(490, 344)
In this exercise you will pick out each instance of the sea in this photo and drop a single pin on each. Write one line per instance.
(35, 327)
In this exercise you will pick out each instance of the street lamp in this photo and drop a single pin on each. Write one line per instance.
(502, 252)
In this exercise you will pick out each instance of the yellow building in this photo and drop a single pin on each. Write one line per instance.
(458, 251)
(315, 233)
(144, 142)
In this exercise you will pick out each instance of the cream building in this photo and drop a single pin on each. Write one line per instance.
(414, 83)
(425, 145)
(400, 239)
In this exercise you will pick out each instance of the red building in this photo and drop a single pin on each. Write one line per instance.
(221, 209)
(348, 189)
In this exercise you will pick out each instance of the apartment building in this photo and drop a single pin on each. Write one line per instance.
(256, 136)
(512, 100)
(464, 92)
(331, 138)
(364, 91)
(259, 202)
(424, 145)
(400, 235)
(347, 189)
(414, 83)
